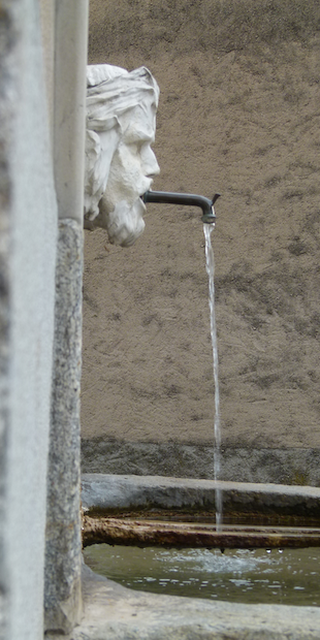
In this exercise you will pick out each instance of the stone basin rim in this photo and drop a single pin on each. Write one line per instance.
(130, 492)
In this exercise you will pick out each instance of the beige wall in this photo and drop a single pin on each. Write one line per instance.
(237, 114)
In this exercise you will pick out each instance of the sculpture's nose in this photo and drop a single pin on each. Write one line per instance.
(149, 162)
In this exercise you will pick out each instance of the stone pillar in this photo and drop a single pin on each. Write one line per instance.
(71, 27)
(63, 537)
(47, 17)
(5, 121)
(28, 233)
(63, 545)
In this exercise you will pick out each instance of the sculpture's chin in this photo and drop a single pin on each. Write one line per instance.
(124, 224)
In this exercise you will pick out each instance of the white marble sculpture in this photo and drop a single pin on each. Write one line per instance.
(120, 164)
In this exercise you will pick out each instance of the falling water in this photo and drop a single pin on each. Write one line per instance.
(208, 228)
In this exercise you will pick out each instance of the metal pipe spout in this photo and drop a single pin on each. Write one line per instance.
(167, 197)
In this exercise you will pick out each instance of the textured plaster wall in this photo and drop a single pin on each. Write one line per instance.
(28, 222)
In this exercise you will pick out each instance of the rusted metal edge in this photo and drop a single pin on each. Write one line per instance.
(117, 531)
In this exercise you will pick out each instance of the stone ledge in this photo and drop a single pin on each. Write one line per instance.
(116, 492)
(112, 612)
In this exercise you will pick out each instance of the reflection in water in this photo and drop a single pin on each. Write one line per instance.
(278, 577)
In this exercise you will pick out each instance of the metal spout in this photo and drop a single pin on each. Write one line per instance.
(208, 214)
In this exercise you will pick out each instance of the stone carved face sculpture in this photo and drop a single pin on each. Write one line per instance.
(120, 164)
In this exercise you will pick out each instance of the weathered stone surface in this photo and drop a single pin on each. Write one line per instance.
(145, 492)
(113, 612)
(139, 531)
(241, 464)
(63, 543)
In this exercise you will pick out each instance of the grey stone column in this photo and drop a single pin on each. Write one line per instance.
(63, 535)
(4, 347)
(28, 235)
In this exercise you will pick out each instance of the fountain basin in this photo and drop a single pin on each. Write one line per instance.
(116, 612)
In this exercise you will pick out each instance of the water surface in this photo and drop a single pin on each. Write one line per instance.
(288, 577)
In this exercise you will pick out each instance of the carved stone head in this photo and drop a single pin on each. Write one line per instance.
(120, 164)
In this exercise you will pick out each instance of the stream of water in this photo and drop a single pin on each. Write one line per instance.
(208, 228)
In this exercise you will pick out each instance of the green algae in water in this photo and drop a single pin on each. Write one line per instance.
(287, 577)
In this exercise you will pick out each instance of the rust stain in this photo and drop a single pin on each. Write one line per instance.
(128, 531)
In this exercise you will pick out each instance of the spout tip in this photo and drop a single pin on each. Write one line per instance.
(209, 218)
